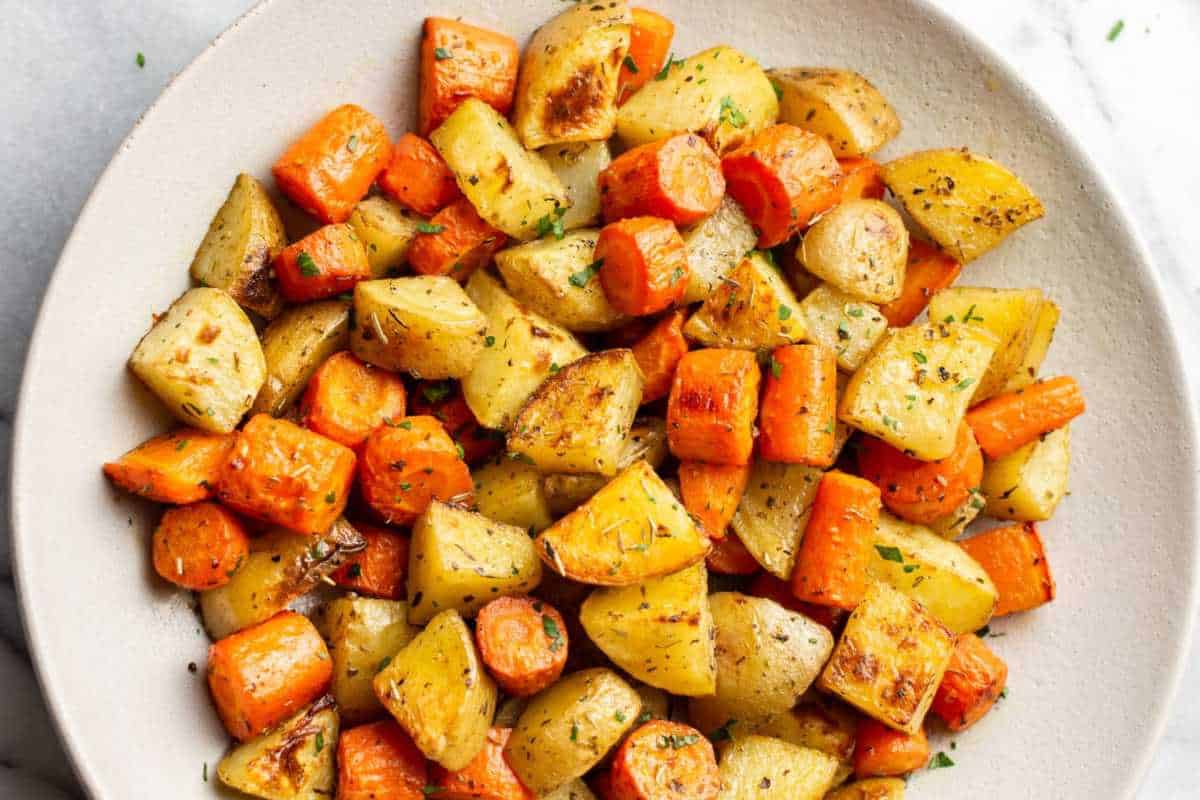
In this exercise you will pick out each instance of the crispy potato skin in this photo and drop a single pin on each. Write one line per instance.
(840, 105)
(861, 247)
(363, 631)
(295, 344)
(285, 763)
(761, 768)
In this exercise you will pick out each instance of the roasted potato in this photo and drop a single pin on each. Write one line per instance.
(842, 323)
(511, 491)
(509, 186)
(762, 768)
(293, 761)
(647, 441)
(912, 390)
(966, 202)
(840, 105)
(363, 632)
(819, 723)
(557, 279)
(424, 325)
(1029, 484)
(752, 309)
(521, 349)
(774, 509)
(567, 89)
(1039, 343)
(715, 245)
(294, 345)
(720, 93)
(439, 692)
(859, 246)
(237, 253)
(890, 659)
(871, 789)
(660, 632)
(955, 523)
(578, 420)
(572, 790)
(566, 729)
(386, 230)
(578, 166)
(462, 560)
(203, 360)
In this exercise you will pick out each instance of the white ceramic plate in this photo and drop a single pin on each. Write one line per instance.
(1091, 675)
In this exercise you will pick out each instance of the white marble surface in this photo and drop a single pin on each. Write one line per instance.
(72, 90)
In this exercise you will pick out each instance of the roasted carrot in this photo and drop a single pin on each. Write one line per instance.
(782, 178)
(262, 675)
(380, 762)
(922, 491)
(523, 642)
(831, 564)
(417, 176)
(347, 398)
(1007, 422)
(662, 760)
(332, 166)
(460, 61)
(711, 493)
(860, 178)
(658, 353)
(487, 777)
(649, 42)
(799, 406)
(378, 570)
(177, 467)
(929, 271)
(444, 401)
(712, 407)
(408, 463)
(279, 472)
(327, 262)
(730, 557)
(199, 546)
(678, 178)
(881, 752)
(974, 679)
(768, 586)
(643, 264)
(1015, 560)
(455, 242)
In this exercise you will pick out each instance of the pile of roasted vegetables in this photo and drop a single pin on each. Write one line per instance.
(610, 331)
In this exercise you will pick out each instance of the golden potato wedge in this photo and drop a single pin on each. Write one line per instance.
(840, 105)
(1029, 484)
(511, 491)
(819, 723)
(890, 659)
(647, 440)
(578, 165)
(386, 230)
(966, 202)
(773, 512)
(912, 391)
(871, 789)
(715, 245)
(859, 246)
(842, 323)
(439, 692)
(1039, 344)
(955, 523)
(293, 761)
(364, 633)
(295, 344)
(752, 309)
(762, 768)
(574, 789)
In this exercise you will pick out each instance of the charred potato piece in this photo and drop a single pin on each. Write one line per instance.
(752, 309)
(837, 104)
(295, 345)
(647, 441)
(293, 761)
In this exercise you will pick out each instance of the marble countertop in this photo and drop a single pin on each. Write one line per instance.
(73, 89)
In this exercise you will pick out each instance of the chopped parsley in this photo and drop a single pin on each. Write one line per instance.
(920, 357)
(778, 91)
(785, 312)
(854, 311)
(331, 498)
(574, 731)
(429, 227)
(141, 62)
(550, 627)
(352, 142)
(552, 224)
(644, 717)
(182, 443)
(619, 716)
(1113, 32)
(430, 789)
(488, 341)
(435, 392)
(964, 383)
(584, 276)
(722, 733)
(731, 114)
(308, 267)
(355, 571)
(631, 65)
(775, 367)
(320, 742)
(441, 54)
(889, 553)
(554, 368)
(941, 761)
(970, 315)
(676, 741)
(671, 61)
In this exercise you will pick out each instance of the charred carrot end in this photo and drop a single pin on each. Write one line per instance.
(264, 674)
(332, 166)
(662, 754)
(929, 271)
(378, 570)
(348, 398)
(380, 762)
(768, 586)
(417, 177)
(456, 242)
(644, 267)
(460, 61)
(782, 178)
(178, 467)
(279, 472)
(443, 400)
(658, 354)
(730, 557)
(325, 263)
(523, 642)
(881, 752)
(712, 406)
(678, 179)
(831, 564)
(1015, 560)
(487, 777)
(1007, 422)
(199, 546)
(711, 493)
(407, 464)
(973, 681)
(799, 406)
(860, 179)
(649, 43)
(922, 491)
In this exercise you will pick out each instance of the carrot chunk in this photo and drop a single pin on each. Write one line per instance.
(417, 176)
(523, 642)
(199, 546)
(711, 493)
(1007, 422)
(455, 242)
(1015, 560)
(730, 557)
(262, 675)
(644, 267)
(768, 586)
(407, 464)
(649, 42)
(658, 353)
(929, 271)
(177, 467)
(348, 398)
(380, 762)
(378, 570)
(332, 166)
(487, 777)
(443, 400)
(860, 179)
(782, 178)
(323, 264)
(881, 752)
(922, 491)
(663, 760)
(460, 61)
(279, 472)
(799, 406)
(831, 564)
(973, 681)
(677, 179)
(712, 407)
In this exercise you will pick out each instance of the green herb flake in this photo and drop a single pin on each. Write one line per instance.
(574, 731)
(436, 392)
(141, 62)
(205, 772)
(552, 224)
(441, 54)
(584, 276)
(644, 717)
(489, 341)
(778, 90)
(383, 664)
(920, 357)
(458, 448)
(971, 315)
(891, 423)
(941, 761)
(731, 114)
(429, 789)
(320, 741)
(964, 383)
(775, 367)
(354, 572)
(785, 312)
(619, 716)
(671, 61)
(889, 553)
(723, 733)
(429, 227)
(406, 425)
(854, 311)
(308, 267)
(182, 443)
(331, 498)
(550, 627)
(352, 142)
(1113, 32)
(676, 741)
(630, 64)
(911, 568)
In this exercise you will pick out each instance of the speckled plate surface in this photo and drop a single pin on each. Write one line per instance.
(1091, 675)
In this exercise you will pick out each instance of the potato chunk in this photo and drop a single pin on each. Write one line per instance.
(752, 309)
(842, 323)
(293, 761)
(578, 166)
(820, 723)
(512, 491)
(861, 247)
(773, 512)
(363, 633)
(1029, 484)
(387, 230)
(647, 440)
(1039, 344)
(715, 245)
(295, 344)
(761, 768)
(838, 104)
